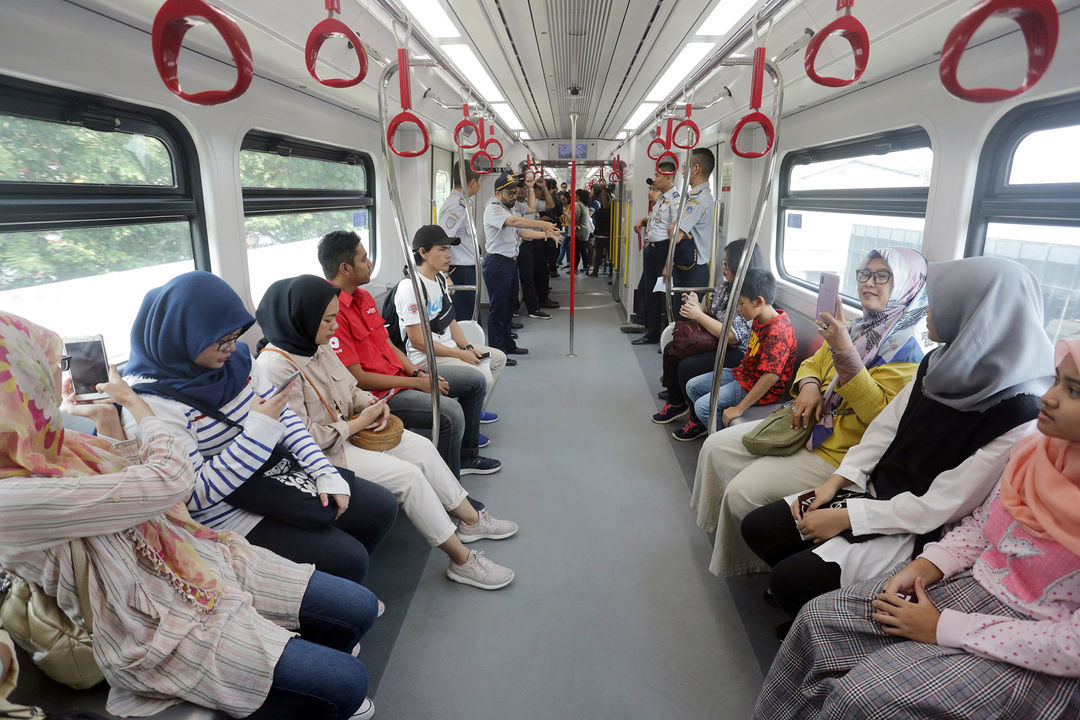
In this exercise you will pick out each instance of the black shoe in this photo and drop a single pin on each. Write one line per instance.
(517, 351)
(553, 274)
(549, 304)
(510, 362)
(632, 327)
(513, 336)
(645, 340)
(664, 395)
(782, 629)
(516, 325)
(539, 314)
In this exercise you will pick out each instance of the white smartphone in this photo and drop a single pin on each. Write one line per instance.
(89, 366)
(284, 384)
(828, 289)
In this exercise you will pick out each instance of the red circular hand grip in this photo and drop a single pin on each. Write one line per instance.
(649, 149)
(667, 154)
(466, 124)
(1038, 19)
(488, 143)
(481, 171)
(766, 124)
(322, 32)
(172, 22)
(406, 117)
(690, 125)
(849, 28)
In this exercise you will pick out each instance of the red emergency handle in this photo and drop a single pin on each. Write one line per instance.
(172, 22)
(1038, 20)
(406, 116)
(322, 32)
(849, 28)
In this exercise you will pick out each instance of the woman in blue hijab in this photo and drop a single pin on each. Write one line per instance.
(188, 362)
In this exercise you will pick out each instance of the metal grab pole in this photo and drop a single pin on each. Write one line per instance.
(573, 224)
(478, 285)
(751, 235)
(406, 246)
(673, 235)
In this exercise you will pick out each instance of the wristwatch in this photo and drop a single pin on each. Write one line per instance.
(468, 347)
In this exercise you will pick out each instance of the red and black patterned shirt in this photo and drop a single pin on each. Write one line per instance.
(771, 349)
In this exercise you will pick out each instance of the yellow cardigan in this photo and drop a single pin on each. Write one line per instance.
(867, 394)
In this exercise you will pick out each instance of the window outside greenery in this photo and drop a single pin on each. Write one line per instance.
(36, 151)
(266, 170)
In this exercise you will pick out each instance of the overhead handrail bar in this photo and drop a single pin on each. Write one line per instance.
(1038, 20)
(323, 31)
(724, 94)
(171, 24)
(403, 236)
(752, 237)
(848, 27)
(798, 44)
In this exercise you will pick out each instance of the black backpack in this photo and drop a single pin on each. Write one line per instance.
(390, 315)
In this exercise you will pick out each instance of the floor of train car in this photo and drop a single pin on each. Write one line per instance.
(612, 612)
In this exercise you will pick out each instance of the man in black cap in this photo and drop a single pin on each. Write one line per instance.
(502, 233)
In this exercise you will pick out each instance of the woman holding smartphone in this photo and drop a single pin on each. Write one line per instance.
(838, 391)
(297, 317)
(187, 361)
(992, 625)
(180, 611)
(935, 452)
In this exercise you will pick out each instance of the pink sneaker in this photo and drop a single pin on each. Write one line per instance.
(486, 528)
(480, 572)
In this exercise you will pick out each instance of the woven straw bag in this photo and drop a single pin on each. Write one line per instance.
(385, 439)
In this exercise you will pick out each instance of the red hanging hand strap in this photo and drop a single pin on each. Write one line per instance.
(756, 116)
(849, 28)
(171, 24)
(323, 31)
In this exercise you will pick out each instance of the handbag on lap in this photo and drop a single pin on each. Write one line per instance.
(775, 436)
(690, 338)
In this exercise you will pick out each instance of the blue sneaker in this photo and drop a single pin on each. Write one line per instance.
(480, 466)
(488, 417)
(484, 441)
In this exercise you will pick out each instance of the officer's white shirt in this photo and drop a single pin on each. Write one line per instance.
(697, 219)
(499, 238)
(662, 215)
(454, 219)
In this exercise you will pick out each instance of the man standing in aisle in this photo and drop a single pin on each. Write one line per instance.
(532, 259)
(454, 219)
(694, 239)
(501, 231)
(654, 254)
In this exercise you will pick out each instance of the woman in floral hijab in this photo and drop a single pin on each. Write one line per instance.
(180, 612)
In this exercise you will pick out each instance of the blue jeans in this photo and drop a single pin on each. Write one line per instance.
(699, 390)
(316, 677)
(500, 276)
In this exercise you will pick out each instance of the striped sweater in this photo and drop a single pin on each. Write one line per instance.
(223, 457)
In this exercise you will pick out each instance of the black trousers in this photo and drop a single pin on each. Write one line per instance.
(526, 263)
(344, 548)
(649, 306)
(679, 371)
(463, 299)
(798, 574)
(600, 252)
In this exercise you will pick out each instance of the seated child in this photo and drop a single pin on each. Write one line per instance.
(766, 369)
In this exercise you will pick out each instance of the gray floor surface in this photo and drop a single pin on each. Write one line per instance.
(612, 613)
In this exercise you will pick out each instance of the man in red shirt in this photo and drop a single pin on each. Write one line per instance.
(364, 347)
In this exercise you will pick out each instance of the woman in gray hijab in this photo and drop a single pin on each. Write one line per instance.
(935, 452)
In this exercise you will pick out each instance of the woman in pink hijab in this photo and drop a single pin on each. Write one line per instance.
(992, 627)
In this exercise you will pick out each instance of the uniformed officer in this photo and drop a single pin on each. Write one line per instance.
(693, 244)
(454, 219)
(654, 254)
(501, 230)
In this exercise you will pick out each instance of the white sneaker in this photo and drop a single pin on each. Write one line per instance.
(486, 528)
(366, 711)
(480, 572)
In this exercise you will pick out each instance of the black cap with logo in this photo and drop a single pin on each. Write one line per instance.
(509, 181)
(429, 236)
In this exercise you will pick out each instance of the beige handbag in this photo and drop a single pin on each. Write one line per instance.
(63, 650)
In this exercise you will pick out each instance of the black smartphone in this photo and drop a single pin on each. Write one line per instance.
(485, 355)
(89, 366)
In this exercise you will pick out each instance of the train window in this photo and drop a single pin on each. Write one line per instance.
(98, 206)
(294, 193)
(1027, 203)
(837, 202)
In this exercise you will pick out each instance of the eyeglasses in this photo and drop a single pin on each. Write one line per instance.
(65, 363)
(222, 344)
(880, 277)
(723, 263)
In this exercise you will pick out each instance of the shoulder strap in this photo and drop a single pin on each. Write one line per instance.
(314, 387)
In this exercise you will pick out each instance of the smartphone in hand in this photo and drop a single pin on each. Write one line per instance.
(89, 366)
(284, 385)
(828, 289)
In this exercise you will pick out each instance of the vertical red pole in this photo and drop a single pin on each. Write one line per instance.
(573, 231)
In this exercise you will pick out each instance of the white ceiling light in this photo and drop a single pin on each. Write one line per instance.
(465, 59)
(432, 17)
(644, 110)
(724, 16)
(622, 135)
(686, 61)
(507, 114)
(524, 135)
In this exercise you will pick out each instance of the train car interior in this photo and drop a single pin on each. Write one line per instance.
(144, 139)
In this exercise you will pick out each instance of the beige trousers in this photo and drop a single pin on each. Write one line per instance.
(491, 376)
(419, 479)
(730, 481)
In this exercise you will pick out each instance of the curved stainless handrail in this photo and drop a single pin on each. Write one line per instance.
(406, 246)
(479, 284)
